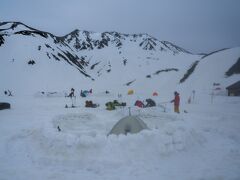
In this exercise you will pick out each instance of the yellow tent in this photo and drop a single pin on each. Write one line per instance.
(130, 92)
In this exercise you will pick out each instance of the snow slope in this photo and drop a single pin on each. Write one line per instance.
(91, 64)
(103, 61)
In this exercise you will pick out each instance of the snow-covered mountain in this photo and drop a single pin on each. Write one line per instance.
(41, 138)
(34, 60)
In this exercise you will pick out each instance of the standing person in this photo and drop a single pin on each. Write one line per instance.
(71, 93)
(73, 97)
(176, 102)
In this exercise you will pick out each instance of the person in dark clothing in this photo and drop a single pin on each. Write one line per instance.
(71, 93)
(176, 102)
(90, 91)
(150, 103)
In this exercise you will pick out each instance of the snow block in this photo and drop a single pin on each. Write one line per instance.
(4, 105)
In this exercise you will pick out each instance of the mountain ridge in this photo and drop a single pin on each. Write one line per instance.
(108, 59)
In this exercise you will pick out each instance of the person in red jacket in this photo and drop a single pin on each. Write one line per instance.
(176, 102)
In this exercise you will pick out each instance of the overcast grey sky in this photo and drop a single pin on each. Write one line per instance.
(196, 25)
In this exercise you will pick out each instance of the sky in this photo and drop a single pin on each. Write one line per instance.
(199, 26)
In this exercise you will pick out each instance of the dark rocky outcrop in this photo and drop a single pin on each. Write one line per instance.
(235, 69)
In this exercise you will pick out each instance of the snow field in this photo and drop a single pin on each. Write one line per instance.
(200, 144)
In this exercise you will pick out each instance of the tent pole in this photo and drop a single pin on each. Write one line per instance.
(129, 111)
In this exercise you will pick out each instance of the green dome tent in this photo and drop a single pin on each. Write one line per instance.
(128, 124)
